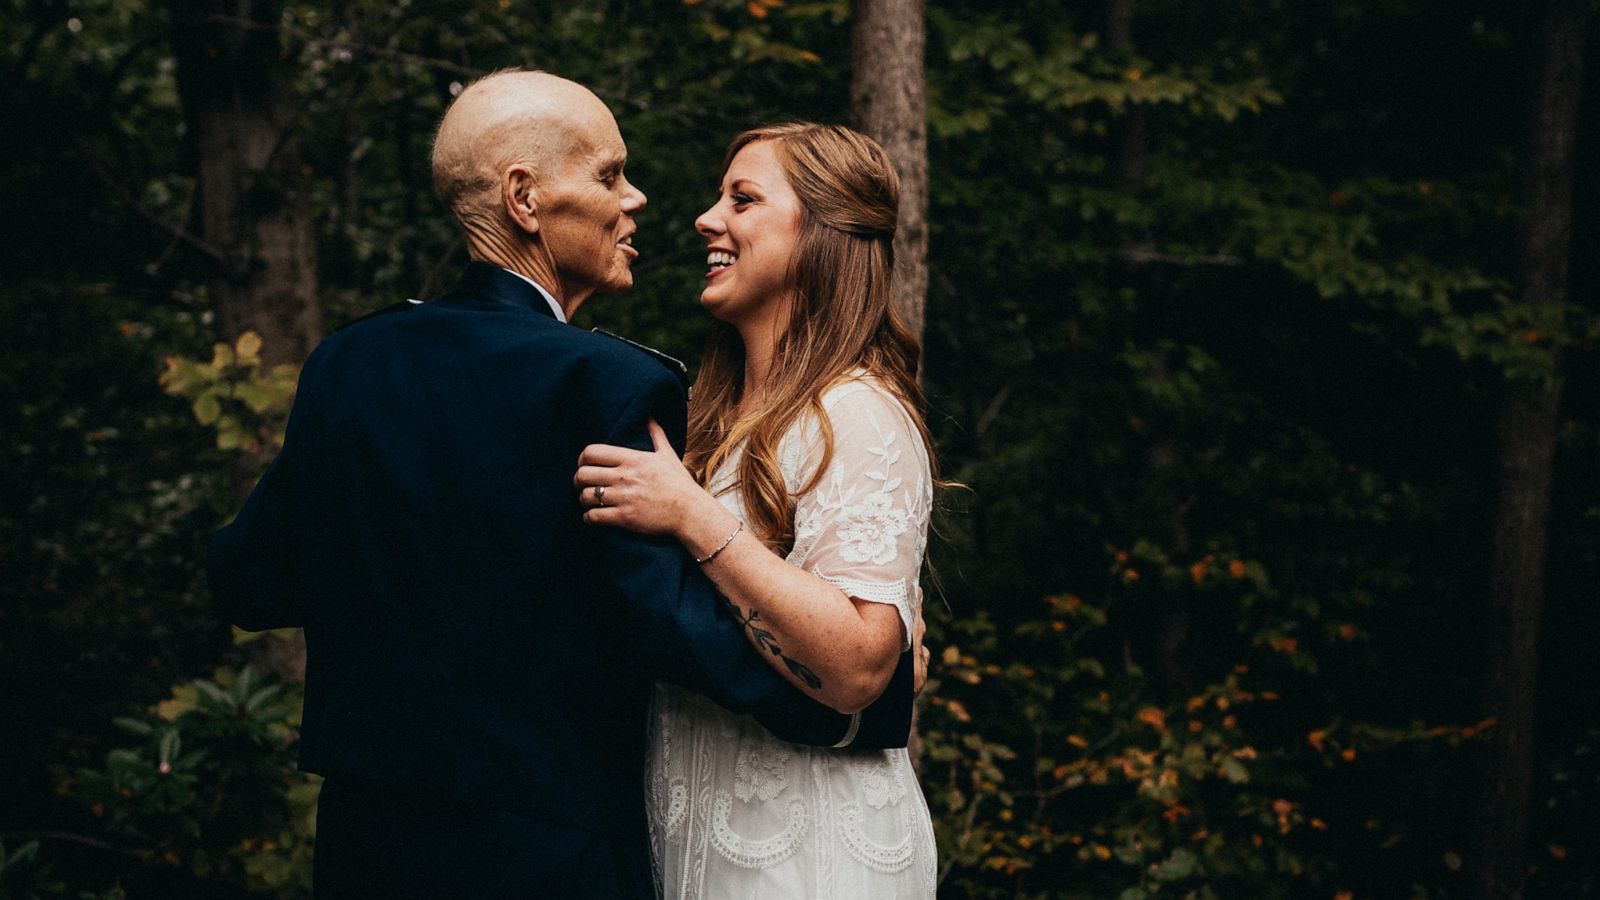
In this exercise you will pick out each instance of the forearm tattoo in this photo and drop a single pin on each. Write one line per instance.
(765, 640)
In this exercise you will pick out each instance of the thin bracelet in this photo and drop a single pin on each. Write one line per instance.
(713, 554)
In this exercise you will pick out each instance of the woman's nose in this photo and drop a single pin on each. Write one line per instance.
(709, 223)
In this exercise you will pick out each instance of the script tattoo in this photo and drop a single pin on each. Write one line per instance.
(767, 642)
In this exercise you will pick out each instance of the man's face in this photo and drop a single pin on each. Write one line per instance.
(586, 209)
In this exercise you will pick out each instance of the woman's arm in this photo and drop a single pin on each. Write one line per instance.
(841, 649)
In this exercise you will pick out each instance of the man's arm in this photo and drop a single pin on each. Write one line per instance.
(251, 563)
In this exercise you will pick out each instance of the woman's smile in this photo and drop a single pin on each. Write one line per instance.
(719, 261)
(751, 233)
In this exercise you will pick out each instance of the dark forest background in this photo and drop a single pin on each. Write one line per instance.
(1247, 326)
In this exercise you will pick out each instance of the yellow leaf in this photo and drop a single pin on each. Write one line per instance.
(248, 346)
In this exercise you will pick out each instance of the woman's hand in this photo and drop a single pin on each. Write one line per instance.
(647, 492)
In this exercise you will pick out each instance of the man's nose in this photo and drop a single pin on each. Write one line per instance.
(633, 199)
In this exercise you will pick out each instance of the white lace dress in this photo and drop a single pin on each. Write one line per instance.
(737, 813)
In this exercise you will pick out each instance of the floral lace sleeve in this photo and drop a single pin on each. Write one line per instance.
(864, 525)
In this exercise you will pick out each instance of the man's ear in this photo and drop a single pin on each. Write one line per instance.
(521, 197)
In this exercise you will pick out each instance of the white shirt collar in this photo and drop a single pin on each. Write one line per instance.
(554, 306)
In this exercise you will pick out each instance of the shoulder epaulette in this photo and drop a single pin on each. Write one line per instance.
(402, 306)
(673, 364)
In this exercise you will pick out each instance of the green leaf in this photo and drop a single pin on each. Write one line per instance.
(171, 743)
(207, 408)
(216, 695)
(134, 726)
(1180, 865)
(262, 696)
(1234, 771)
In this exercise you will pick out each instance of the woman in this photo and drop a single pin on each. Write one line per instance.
(807, 434)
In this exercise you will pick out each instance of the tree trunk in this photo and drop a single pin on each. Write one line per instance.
(888, 101)
(234, 82)
(1527, 432)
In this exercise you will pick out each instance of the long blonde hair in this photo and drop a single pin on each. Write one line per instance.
(842, 319)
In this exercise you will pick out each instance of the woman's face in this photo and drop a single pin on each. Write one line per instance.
(750, 238)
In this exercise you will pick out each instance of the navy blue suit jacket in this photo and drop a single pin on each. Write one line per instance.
(467, 635)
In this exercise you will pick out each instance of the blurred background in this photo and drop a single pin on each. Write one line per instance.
(1262, 336)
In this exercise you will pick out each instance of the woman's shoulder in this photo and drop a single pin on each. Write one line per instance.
(859, 394)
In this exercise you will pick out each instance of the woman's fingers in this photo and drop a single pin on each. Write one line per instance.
(604, 496)
(603, 515)
(607, 455)
(658, 437)
(591, 475)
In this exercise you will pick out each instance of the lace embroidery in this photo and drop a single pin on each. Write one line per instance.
(891, 859)
(838, 821)
(677, 804)
(879, 781)
(869, 529)
(758, 775)
(760, 854)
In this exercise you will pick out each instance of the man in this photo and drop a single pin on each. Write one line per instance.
(478, 662)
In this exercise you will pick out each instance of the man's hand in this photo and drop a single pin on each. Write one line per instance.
(920, 654)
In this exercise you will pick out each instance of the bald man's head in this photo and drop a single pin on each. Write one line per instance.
(532, 167)
(500, 120)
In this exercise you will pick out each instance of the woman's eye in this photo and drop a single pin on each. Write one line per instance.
(742, 199)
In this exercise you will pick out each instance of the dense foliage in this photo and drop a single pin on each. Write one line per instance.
(1216, 325)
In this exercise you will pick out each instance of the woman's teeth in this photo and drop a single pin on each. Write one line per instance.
(718, 259)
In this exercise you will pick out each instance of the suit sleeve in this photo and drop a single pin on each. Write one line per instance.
(681, 630)
(251, 563)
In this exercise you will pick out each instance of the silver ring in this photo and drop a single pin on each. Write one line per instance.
(600, 495)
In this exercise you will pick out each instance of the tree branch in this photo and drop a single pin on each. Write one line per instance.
(226, 260)
(65, 837)
(1145, 255)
